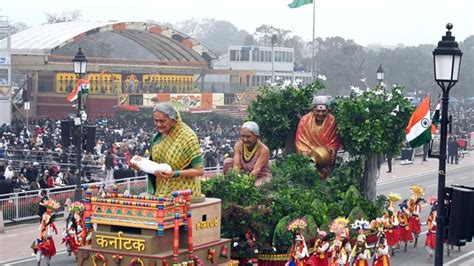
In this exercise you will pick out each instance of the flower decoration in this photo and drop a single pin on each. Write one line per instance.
(51, 204)
(338, 226)
(433, 200)
(393, 197)
(379, 223)
(361, 224)
(417, 190)
(297, 224)
(356, 90)
(76, 207)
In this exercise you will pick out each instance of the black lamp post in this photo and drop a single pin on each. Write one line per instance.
(380, 74)
(80, 66)
(447, 61)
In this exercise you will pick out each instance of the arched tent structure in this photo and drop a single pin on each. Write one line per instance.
(124, 58)
(164, 43)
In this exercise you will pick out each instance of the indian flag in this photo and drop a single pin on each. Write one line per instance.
(419, 127)
(82, 85)
(298, 3)
(436, 117)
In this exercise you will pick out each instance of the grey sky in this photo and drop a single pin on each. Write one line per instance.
(386, 22)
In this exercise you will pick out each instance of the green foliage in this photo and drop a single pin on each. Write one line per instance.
(372, 121)
(233, 188)
(343, 192)
(277, 111)
(295, 191)
(281, 236)
(242, 204)
(357, 213)
(294, 166)
(295, 181)
(343, 176)
(311, 231)
(239, 220)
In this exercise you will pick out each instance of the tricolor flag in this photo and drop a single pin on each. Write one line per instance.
(298, 3)
(419, 127)
(82, 85)
(436, 117)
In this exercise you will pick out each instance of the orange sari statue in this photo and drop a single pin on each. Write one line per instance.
(316, 136)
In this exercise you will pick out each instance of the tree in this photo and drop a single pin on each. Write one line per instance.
(217, 35)
(342, 61)
(263, 35)
(65, 16)
(16, 27)
(277, 110)
(371, 123)
(466, 79)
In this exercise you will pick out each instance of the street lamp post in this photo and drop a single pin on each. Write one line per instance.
(80, 66)
(447, 61)
(380, 74)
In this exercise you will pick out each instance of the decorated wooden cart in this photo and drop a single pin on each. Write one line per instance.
(149, 230)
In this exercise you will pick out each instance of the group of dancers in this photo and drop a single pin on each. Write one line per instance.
(75, 233)
(393, 229)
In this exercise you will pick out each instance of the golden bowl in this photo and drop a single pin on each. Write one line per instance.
(321, 156)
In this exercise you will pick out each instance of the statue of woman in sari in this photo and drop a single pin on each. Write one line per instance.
(176, 144)
(250, 155)
(316, 136)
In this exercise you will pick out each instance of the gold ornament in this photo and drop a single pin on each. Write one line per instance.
(393, 197)
(321, 156)
(248, 155)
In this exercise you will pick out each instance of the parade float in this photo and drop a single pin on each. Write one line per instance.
(257, 218)
(148, 230)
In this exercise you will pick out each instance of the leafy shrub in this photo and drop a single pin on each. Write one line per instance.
(295, 191)
(233, 188)
(277, 111)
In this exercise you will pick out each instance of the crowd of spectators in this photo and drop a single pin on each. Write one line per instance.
(462, 117)
(37, 159)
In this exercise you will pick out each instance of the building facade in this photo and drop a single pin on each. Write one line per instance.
(126, 60)
(260, 63)
(5, 72)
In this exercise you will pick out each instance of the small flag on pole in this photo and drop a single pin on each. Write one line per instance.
(298, 3)
(436, 117)
(418, 131)
(82, 85)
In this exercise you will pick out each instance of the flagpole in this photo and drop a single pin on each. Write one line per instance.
(313, 70)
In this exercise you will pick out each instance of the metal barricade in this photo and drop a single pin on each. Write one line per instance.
(22, 206)
(210, 172)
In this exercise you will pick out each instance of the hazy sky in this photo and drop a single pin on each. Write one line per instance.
(386, 22)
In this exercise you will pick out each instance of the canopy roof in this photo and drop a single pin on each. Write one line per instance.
(162, 42)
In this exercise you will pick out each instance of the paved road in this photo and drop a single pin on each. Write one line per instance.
(419, 255)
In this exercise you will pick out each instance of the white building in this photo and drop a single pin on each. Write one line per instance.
(5, 72)
(257, 60)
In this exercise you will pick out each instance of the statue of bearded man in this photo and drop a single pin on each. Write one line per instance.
(316, 135)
